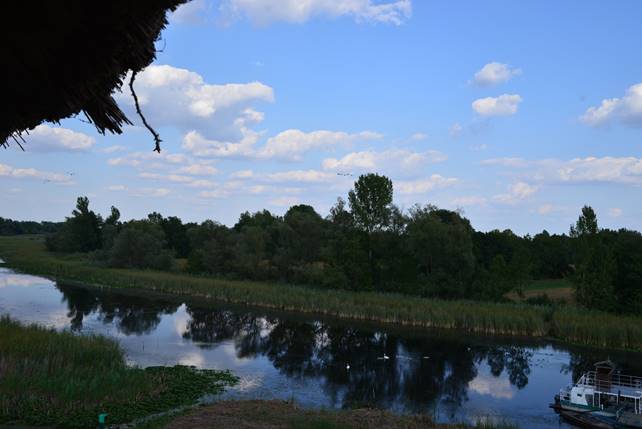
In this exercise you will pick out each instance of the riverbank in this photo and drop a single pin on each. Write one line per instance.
(564, 323)
(286, 415)
(66, 380)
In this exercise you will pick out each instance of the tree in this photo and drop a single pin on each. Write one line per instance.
(370, 202)
(141, 244)
(81, 231)
(441, 243)
(595, 267)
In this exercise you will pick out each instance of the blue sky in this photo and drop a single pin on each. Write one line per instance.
(518, 113)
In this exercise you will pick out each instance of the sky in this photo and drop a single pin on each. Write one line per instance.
(516, 113)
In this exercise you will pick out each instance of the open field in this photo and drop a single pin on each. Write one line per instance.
(557, 290)
(563, 323)
(66, 380)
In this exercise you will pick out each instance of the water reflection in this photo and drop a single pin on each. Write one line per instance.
(355, 367)
(131, 314)
(320, 363)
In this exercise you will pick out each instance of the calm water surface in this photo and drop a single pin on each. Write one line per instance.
(319, 363)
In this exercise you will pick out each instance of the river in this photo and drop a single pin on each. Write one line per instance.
(317, 362)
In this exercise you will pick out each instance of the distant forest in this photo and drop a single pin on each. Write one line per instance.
(364, 244)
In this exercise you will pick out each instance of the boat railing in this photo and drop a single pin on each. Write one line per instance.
(606, 383)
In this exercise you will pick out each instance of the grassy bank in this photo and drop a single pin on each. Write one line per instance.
(563, 323)
(66, 380)
(285, 415)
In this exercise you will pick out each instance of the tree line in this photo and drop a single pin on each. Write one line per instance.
(369, 244)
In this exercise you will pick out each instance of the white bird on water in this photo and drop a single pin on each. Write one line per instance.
(348, 366)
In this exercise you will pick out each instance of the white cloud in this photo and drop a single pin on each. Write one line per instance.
(284, 201)
(218, 112)
(242, 174)
(192, 12)
(151, 192)
(495, 73)
(200, 146)
(627, 109)
(32, 173)
(291, 144)
(507, 162)
(516, 192)
(393, 160)
(419, 136)
(455, 130)
(504, 105)
(44, 138)
(615, 212)
(264, 12)
(307, 176)
(149, 160)
(198, 170)
(421, 186)
(469, 201)
(545, 209)
(177, 178)
(116, 188)
(203, 183)
(114, 148)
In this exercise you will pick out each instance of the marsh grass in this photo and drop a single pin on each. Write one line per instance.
(62, 379)
(566, 323)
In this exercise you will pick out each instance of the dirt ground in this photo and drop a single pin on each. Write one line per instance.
(285, 415)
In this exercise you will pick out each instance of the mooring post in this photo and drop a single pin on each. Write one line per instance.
(101, 420)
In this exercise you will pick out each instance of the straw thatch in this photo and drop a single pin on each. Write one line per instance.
(67, 57)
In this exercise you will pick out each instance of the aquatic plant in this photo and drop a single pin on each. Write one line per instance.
(62, 379)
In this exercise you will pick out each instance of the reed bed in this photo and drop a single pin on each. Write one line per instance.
(66, 380)
(565, 323)
(596, 328)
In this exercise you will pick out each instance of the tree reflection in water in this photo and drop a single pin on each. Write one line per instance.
(420, 374)
(133, 315)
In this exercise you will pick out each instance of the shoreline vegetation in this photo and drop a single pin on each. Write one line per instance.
(565, 323)
(67, 380)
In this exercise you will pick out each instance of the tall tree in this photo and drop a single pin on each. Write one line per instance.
(595, 267)
(370, 202)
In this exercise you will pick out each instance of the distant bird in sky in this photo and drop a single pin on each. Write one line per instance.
(344, 174)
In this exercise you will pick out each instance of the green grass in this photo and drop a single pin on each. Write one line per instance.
(564, 323)
(66, 380)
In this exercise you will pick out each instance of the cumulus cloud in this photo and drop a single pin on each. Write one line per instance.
(242, 174)
(219, 112)
(471, 200)
(545, 209)
(31, 173)
(200, 146)
(291, 144)
(504, 105)
(306, 176)
(516, 192)
(615, 212)
(627, 109)
(455, 130)
(44, 138)
(419, 136)
(265, 12)
(149, 160)
(198, 170)
(116, 188)
(423, 185)
(495, 73)
(151, 192)
(392, 160)
(284, 201)
(607, 169)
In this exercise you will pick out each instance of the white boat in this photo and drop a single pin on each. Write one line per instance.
(604, 394)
